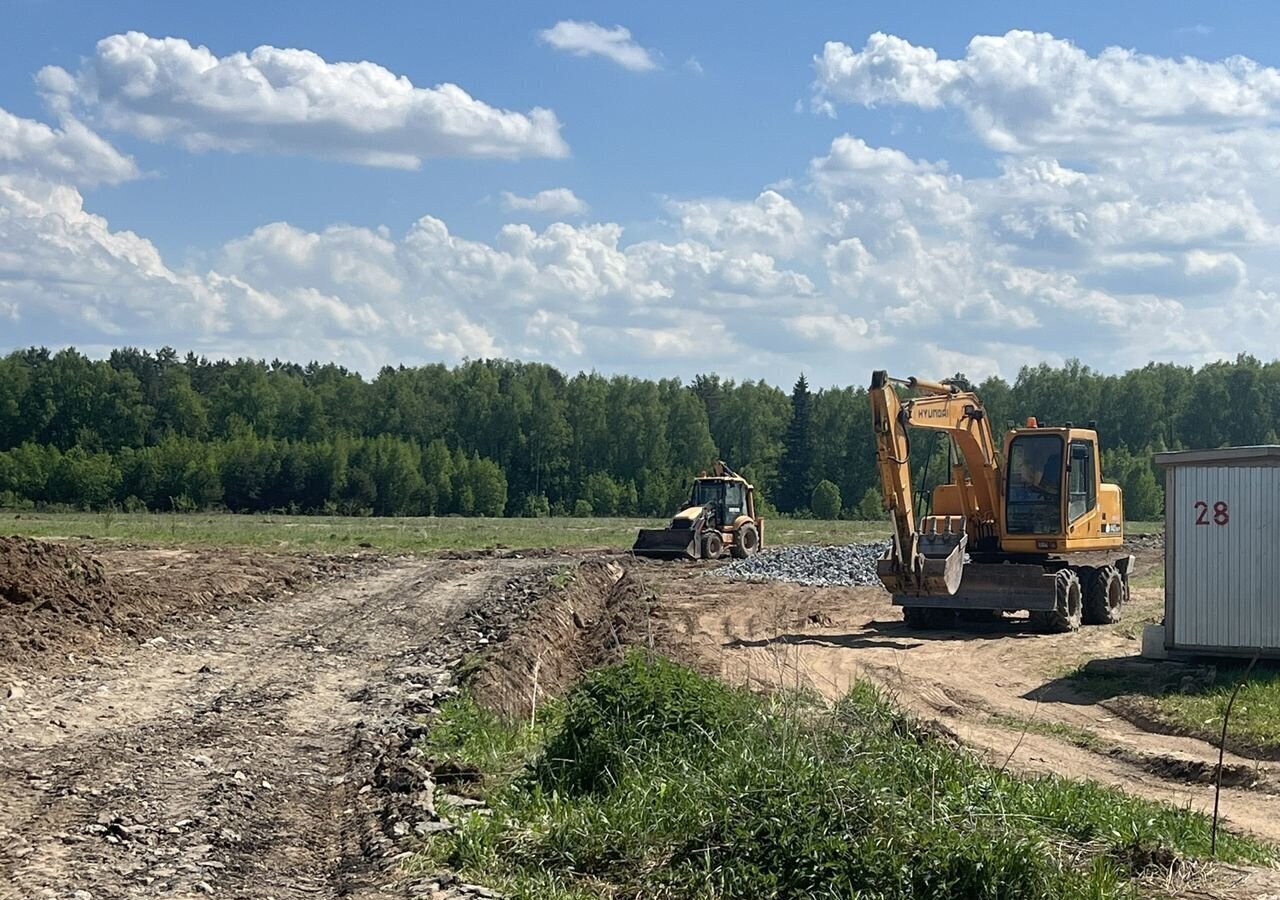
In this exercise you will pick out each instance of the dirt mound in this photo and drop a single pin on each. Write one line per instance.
(44, 588)
(587, 618)
(56, 598)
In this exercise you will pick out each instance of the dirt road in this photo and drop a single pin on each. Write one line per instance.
(999, 687)
(231, 757)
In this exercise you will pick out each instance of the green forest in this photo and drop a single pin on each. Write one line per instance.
(161, 431)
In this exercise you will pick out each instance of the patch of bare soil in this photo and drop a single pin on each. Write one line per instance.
(253, 749)
(57, 599)
(46, 589)
(998, 686)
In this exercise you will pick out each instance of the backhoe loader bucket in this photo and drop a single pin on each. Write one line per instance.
(667, 543)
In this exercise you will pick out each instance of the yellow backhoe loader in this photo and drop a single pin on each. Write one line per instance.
(720, 516)
(1003, 533)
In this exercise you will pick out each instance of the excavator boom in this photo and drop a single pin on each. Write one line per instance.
(927, 557)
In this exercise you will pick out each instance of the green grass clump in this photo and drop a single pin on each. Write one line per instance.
(1193, 701)
(628, 711)
(654, 781)
(1255, 718)
(466, 732)
(1080, 737)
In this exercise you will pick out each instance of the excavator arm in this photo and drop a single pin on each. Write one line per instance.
(928, 557)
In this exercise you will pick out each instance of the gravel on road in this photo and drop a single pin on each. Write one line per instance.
(810, 564)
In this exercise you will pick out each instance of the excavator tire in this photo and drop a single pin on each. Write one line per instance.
(746, 542)
(1068, 606)
(928, 618)
(712, 545)
(1105, 597)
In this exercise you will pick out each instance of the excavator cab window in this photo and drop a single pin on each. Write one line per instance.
(1033, 503)
(1082, 491)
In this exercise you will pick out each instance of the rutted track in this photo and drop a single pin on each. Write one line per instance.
(233, 757)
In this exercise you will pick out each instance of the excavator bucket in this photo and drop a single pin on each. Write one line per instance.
(938, 565)
(942, 577)
(667, 543)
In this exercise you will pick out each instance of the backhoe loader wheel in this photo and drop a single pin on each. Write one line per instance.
(1068, 609)
(1105, 597)
(746, 542)
(928, 618)
(712, 546)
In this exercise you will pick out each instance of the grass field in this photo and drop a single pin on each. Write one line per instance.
(393, 535)
(400, 535)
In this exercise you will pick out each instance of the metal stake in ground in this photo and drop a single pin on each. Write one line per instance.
(1222, 749)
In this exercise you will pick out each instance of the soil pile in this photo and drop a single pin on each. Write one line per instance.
(58, 599)
(45, 589)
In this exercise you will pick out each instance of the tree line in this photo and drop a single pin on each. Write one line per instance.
(162, 431)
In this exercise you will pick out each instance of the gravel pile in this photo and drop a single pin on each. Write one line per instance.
(819, 566)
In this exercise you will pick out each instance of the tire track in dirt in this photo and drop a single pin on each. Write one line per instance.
(223, 758)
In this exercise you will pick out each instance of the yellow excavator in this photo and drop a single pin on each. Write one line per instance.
(1004, 533)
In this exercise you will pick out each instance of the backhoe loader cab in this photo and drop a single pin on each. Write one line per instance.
(720, 516)
(725, 499)
(1000, 533)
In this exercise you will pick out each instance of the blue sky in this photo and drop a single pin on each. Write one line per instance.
(730, 108)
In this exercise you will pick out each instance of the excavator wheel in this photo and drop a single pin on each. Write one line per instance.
(1105, 597)
(712, 545)
(746, 542)
(1068, 606)
(927, 618)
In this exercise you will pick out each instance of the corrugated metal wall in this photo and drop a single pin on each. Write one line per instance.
(1224, 564)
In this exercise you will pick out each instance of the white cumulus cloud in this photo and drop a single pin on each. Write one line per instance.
(1025, 90)
(551, 202)
(275, 100)
(771, 223)
(1153, 238)
(590, 39)
(71, 152)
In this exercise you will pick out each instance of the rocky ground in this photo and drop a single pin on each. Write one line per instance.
(263, 750)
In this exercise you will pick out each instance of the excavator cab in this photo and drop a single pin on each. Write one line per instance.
(1033, 491)
(1054, 497)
